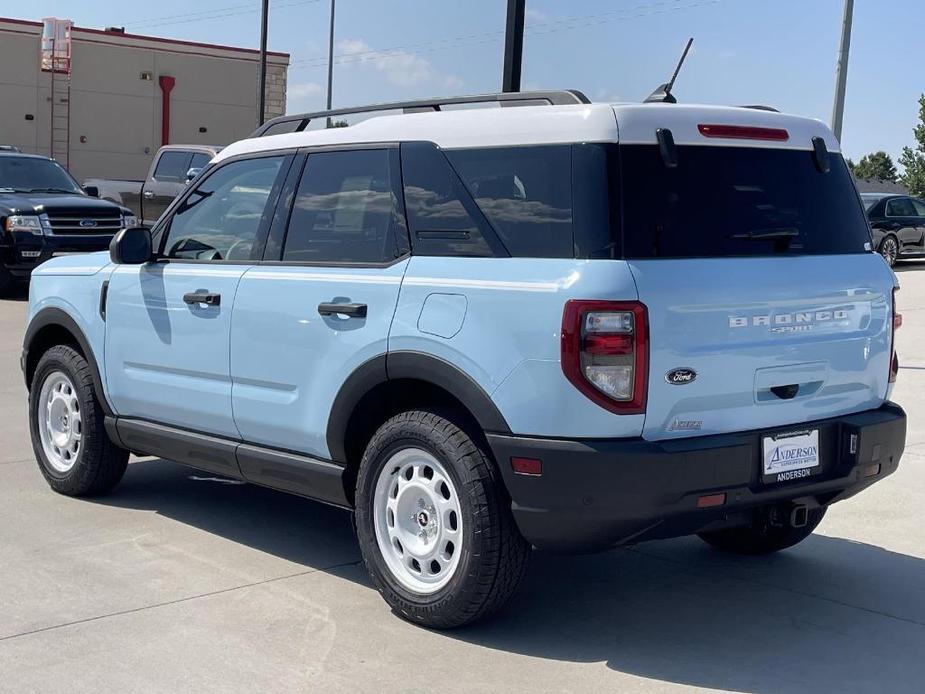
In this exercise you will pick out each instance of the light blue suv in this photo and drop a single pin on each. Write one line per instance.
(565, 325)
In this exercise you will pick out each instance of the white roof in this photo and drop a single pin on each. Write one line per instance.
(531, 125)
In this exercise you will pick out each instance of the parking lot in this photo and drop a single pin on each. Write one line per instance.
(183, 582)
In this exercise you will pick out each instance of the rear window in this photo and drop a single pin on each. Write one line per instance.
(737, 201)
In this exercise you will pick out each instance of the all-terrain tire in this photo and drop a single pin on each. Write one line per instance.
(762, 537)
(493, 556)
(98, 465)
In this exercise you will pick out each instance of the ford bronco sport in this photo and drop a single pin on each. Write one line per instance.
(564, 325)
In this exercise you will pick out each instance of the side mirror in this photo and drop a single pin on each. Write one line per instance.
(92, 191)
(131, 246)
(192, 173)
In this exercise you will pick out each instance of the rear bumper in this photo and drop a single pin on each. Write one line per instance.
(595, 494)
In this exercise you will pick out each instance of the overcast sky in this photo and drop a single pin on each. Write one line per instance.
(780, 53)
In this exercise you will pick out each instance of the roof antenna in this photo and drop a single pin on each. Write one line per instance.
(663, 94)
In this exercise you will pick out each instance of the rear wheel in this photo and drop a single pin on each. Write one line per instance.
(434, 525)
(889, 249)
(765, 535)
(70, 442)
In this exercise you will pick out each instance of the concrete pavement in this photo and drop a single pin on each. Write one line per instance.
(180, 582)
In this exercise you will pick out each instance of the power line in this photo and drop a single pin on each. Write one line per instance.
(215, 13)
(553, 26)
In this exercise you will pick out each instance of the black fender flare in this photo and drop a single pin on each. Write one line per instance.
(55, 317)
(414, 365)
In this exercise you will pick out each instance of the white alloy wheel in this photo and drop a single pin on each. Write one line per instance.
(59, 421)
(418, 521)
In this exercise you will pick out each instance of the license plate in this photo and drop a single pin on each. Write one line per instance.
(790, 456)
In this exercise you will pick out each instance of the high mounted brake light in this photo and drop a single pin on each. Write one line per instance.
(743, 132)
(605, 348)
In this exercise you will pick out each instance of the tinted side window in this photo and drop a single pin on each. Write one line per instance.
(344, 210)
(900, 207)
(919, 206)
(526, 194)
(172, 167)
(199, 160)
(220, 218)
(442, 218)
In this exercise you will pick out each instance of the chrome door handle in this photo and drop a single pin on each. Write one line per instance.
(149, 195)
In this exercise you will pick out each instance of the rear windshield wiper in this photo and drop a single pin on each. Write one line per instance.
(768, 234)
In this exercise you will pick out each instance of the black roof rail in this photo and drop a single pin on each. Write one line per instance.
(535, 98)
(760, 107)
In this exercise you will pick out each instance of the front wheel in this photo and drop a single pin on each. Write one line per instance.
(434, 525)
(889, 249)
(70, 442)
(764, 535)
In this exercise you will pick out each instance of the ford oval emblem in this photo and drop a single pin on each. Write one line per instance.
(681, 376)
(87, 223)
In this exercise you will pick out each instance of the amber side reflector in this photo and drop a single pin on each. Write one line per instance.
(743, 132)
(527, 466)
(711, 500)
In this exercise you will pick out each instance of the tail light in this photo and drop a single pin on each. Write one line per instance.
(605, 347)
(897, 324)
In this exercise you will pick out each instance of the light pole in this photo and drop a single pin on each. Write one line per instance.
(513, 46)
(841, 70)
(330, 60)
(263, 62)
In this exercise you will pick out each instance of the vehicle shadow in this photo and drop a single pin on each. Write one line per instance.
(828, 615)
(909, 265)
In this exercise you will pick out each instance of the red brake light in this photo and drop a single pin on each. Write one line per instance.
(744, 132)
(605, 347)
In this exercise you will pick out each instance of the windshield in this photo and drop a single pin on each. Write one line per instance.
(32, 175)
(737, 201)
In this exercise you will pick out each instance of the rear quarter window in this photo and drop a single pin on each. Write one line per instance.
(737, 201)
(526, 194)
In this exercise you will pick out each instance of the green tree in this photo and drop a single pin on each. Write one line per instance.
(875, 167)
(913, 158)
(850, 162)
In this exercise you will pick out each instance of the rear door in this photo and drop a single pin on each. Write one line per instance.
(755, 269)
(903, 220)
(322, 303)
(919, 207)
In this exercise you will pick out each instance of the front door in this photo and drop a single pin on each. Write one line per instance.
(168, 322)
(322, 303)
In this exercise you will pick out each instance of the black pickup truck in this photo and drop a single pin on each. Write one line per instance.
(44, 212)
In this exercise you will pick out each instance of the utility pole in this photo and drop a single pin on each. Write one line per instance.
(841, 70)
(330, 61)
(513, 46)
(261, 116)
